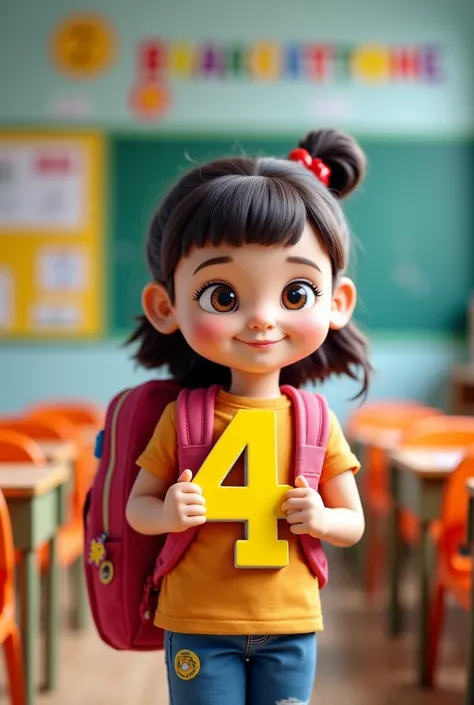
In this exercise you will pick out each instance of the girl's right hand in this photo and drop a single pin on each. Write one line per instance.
(183, 505)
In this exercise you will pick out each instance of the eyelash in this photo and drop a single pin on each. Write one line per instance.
(315, 289)
(199, 292)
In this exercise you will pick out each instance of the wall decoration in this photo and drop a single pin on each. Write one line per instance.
(315, 62)
(83, 46)
(150, 97)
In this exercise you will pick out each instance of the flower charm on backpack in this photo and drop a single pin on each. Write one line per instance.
(97, 552)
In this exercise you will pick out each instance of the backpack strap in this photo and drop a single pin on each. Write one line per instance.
(195, 419)
(311, 419)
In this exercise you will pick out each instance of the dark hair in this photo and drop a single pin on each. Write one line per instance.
(266, 201)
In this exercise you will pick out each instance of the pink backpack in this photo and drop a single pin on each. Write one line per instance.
(124, 568)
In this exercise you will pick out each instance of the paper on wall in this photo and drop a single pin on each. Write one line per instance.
(61, 269)
(42, 185)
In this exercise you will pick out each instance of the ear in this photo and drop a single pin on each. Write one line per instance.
(158, 308)
(343, 303)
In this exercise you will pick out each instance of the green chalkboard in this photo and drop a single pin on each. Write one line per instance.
(413, 224)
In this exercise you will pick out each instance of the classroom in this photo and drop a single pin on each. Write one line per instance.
(337, 130)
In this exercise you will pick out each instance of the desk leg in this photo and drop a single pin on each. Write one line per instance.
(81, 611)
(425, 569)
(30, 618)
(395, 564)
(52, 617)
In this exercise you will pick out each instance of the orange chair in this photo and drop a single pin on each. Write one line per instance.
(88, 418)
(10, 635)
(16, 447)
(81, 414)
(374, 414)
(70, 536)
(381, 417)
(453, 569)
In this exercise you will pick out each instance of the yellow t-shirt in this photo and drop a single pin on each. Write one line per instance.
(205, 593)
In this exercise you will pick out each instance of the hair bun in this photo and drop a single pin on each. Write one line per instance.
(342, 154)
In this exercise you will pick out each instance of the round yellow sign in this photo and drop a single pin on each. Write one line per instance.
(83, 46)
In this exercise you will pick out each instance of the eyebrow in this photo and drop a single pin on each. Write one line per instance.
(303, 260)
(213, 260)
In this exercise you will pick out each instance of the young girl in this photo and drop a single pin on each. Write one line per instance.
(247, 258)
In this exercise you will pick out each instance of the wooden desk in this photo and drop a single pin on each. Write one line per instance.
(386, 439)
(36, 499)
(470, 539)
(58, 451)
(417, 477)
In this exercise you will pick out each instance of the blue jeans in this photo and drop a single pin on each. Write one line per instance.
(240, 670)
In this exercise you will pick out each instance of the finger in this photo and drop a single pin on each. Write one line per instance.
(301, 481)
(292, 511)
(299, 529)
(194, 510)
(186, 476)
(192, 498)
(297, 517)
(298, 492)
(189, 487)
(197, 520)
(294, 503)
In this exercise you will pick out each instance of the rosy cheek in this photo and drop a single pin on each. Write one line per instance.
(209, 328)
(311, 330)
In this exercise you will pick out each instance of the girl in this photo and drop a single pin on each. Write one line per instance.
(248, 291)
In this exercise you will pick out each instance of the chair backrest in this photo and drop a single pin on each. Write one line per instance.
(17, 447)
(52, 428)
(85, 465)
(7, 558)
(79, 413)
(440, 432)
(454, 513)
(392, 415)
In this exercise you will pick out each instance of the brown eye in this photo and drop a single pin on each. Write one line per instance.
(297, 296)
(218, 298)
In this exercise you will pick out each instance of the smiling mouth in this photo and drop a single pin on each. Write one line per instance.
(260, 343)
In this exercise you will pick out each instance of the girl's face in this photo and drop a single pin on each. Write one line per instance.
(256, 309)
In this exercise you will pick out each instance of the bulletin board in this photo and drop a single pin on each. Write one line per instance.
(51, 235)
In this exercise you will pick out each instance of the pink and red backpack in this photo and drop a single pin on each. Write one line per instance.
(123, 568)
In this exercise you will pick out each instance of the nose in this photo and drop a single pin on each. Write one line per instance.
(262, 320)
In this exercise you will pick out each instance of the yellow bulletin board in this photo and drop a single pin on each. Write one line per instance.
(51, 235)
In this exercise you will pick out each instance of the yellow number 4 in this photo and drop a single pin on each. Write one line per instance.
(258, 503)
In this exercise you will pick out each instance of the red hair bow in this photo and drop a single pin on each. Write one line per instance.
(317, 166)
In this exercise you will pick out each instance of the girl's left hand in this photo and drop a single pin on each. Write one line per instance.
(305, 511)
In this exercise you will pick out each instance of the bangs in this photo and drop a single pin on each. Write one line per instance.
(237, 209)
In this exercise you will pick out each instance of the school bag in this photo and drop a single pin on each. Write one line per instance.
(124, 568)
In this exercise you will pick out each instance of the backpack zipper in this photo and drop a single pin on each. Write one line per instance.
(111, 466)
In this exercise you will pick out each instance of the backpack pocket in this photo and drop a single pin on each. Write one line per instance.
(105, 588)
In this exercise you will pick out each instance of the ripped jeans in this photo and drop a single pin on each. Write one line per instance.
(240, 670)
